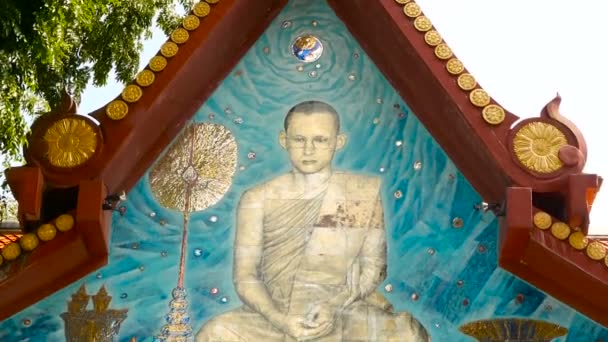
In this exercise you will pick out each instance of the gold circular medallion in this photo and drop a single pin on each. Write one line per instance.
(201, 9)
(180, 35)
(117, 110)
(402, 2)
(191, 22)
(169, 49)
(578, 240)
(596, 250)
(423, 24)
(432, 38)
(11, 251)
(542, 220)
(467, 82)
(64, 222)
(29, 242)
(443, 51)
(213, 1)
(46, 232)
(158, 63)
(606, 261)
(493, 114)
(132, 93)
(454, 66)
(536, 145)
(479, 98)
(412, 10)
(70, 142)
(145, 78)
(560, 230)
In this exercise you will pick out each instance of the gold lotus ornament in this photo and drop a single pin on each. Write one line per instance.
(513, 329)
(70, 142)
(536, 146)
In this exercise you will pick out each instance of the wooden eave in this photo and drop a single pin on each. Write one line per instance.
(482, 152)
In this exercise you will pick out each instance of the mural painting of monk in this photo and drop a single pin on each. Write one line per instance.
(310, 249)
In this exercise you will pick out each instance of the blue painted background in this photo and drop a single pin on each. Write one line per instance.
(444, 266)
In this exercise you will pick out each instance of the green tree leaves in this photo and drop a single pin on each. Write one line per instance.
(47, 46)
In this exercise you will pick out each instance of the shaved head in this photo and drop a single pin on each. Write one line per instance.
(312, 107)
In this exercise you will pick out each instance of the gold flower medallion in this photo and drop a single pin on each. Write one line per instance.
(191, 22)
(412, 10)
(117, 110)
(180, 35)
(493, 114)
(432, 38)
(542, 220)
(145, 78)
(201, 9)
(158, 63)
(169, 49)
(132, 93)
(467, 82)
(454, 66)
(560, 230)
(536, 146)
(70, 142)
(423, 23)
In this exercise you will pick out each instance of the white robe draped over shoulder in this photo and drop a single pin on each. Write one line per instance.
(296, 248)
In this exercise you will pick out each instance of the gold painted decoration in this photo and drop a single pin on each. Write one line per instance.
(578, 240)
(213, 1)
(29, 242)
(493, 114)
(1, 259)
(513, 329)
(412, 10)
(201, 9)
(11, 251)
(202, 160)
(454, 66)
(70, 142)
(596, 250)
(145, 78)
(423, 23)
(46, 232)
(99, 323)
(169, 49)
(180, 35)
(64, 222)
(132, 93)
(402, 2)
(432, 38)
(191, 22)
(117, 110)
(606, 261)
(542, 220)
(479, 98)
(158, 63)
(443, 51)
(560, 230)
(467, 82)
(536, 146)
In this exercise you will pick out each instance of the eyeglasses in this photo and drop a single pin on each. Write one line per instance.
(319, 141)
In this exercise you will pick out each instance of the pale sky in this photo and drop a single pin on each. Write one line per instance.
(522, 52)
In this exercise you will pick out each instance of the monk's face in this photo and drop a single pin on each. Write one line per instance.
(311, 141)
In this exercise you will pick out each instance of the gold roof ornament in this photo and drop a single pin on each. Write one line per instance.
(536, 146)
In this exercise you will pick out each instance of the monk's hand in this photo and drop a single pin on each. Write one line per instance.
(320, 314)
(298, 328)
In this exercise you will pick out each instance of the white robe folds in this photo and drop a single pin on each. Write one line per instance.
(308, 247)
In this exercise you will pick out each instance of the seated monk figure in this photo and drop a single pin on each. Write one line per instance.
(310, 249)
